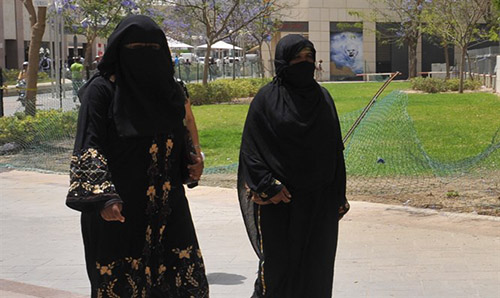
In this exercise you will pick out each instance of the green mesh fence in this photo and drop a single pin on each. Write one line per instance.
(44, 142)
(385, 158)
(385, 155)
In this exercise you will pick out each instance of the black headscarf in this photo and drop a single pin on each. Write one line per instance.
(291, 133)
(147, 100)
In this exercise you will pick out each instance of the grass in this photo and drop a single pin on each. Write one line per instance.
(450, 126)
(220, 128)
(454, 126)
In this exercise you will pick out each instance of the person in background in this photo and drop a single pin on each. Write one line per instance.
(23, 74)
(127, 171)
(292, 179)
(76, 76)
(212, 69)
(187, 70)
(319, 71)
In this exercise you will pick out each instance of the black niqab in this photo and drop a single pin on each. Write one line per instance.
(147, 100)
(291, 133)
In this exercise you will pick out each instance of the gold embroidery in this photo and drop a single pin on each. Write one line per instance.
(148, 234)
(178, 280)
(105, 269)
(110, 289)
(147, 271)
(89, 175)
(185, 253)
(132, 285)
(161, 232)
(153, 149)
(151, 193)
(261, 248)
(167, 186)
(162, 269)
(189, 276)
(170, 145)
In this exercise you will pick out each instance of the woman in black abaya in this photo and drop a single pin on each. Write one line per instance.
(126, 172)
(291, 178)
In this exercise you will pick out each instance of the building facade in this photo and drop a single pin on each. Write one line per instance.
(348, 45)
(15, 35)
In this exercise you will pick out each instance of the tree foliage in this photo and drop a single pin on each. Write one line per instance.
(408, 15)
(458, 22)
(219, 19)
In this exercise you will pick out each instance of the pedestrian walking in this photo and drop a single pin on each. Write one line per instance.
(291, 178)
(127, 171)
(76, 76)
(319, 71)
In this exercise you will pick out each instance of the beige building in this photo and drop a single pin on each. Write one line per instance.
(347, 53)
(15, 34)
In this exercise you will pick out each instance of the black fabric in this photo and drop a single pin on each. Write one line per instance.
(146, 100)
(135, 159)
(292, 135)
(155, 251)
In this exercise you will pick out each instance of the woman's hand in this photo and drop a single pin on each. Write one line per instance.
(196, 169)
(113, 212)
(283, 196)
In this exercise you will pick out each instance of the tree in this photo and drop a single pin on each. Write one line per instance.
(216, 16)
(409, 16)
(94, 19)
(262, 30)
(458, 22)
(37, 18)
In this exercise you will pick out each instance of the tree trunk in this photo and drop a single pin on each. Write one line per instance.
(462, 70)
(271, 62)
(207, 64)
(37, 31)
(471, 76)
(412, 57)
(447, 60)
(88, 56)
(261, 62)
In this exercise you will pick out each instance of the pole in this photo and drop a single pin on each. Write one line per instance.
(234, 61)
(1, 92)
(370, 104)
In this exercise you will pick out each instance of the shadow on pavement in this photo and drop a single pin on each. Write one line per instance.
(221, 278)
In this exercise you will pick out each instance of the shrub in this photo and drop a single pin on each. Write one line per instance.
(224, 90)
(432, 85)
(45, 126)
(453, 84)
(10, 76)
(472, 84)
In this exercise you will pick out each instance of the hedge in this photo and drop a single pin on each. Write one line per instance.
(45, 126)
(224, 90)
(434, 85)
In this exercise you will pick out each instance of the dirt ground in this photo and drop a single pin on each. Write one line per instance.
(477, 195)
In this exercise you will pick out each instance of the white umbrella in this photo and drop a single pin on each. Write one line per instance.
(221, 45)
(175, 44)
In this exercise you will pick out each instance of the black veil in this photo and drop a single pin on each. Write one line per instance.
(288, 131)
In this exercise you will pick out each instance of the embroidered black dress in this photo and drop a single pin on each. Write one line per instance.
(292, 138)
(154, 253)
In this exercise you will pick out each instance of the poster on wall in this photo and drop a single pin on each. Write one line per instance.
(346, 55)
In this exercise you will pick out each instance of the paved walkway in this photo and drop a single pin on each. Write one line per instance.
(384, 251)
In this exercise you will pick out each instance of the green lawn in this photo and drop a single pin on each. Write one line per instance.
(450, 127)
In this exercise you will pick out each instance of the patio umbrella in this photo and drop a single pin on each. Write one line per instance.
(175, 44)
(220, 45)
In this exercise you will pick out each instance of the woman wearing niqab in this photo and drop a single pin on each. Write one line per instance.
(126, 172)
(291, 178)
